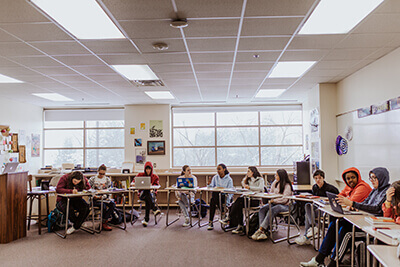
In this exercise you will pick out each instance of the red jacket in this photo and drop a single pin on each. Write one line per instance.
(360, 191)
(63, 188)
(389, 212)
(155, 180)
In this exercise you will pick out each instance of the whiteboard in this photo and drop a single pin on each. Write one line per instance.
(375, 143)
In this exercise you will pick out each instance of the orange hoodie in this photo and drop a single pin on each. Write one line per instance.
(360, 191)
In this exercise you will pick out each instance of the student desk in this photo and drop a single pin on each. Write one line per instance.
(69, 196)
(36, 192)
(209, 189)
(111, 192)
(386, 255)
(181, 190)
(133, 190)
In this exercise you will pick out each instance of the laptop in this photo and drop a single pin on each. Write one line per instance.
(10, 167)
(184, 182)
(337, 207)
(143, 182)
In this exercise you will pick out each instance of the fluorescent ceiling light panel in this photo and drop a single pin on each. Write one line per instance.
(338, 16)
(83, 18)
(291, 69)
(53, 96)
(136, 72)
(269, 93)
(6, 79)
(160, 94)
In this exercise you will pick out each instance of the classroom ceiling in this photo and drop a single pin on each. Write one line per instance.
(210, 61)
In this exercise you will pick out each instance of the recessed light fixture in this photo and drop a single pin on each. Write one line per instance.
(338, 16)
(83, 18)
(6, 79)
(291, 69)
(160, 46)
(269, 93)
(53, 96)
(256, 55)
(160, 94)
(179, 23)
(135, 72)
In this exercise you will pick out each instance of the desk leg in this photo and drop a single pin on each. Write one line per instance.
(168, 200)
(132, 202)
(246, 212)
(40, 214)
(270, 219)
(337, 242)
(66, 222)
(352, 244)
(319, 230)
(199, 222)
(368, 257)
(123, 210)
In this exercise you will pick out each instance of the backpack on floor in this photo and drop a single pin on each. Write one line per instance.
(253, 224)
(54, 220)
(196, 207)
(118, 216)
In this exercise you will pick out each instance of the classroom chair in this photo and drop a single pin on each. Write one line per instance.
(287, 221)
(31, 196)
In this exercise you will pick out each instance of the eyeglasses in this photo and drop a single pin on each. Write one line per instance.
(373, 179)
(102, 173)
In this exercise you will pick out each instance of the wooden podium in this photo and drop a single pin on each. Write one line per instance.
(13, 191)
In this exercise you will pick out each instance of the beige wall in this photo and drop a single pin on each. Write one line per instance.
(134, 115)
(25, 120)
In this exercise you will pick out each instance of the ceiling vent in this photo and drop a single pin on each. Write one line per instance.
(147, 83)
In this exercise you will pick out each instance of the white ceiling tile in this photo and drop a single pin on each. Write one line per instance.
(175, 75)
(140, 9)
(366, 40)
(263, 43)
(275, 86)
(254, 66)
(323, 73)
(380, 53)
(5, 37)
(278, 7)
(150, 29)
(213, 75)
(7, 63)
(101, 69)
(257, 75)
(349, 54)
(209, 8)
(166, 58)
(220, 28)
(110, 46)
(280, 80)
(32, 78)
(60, 48)
(37, 61)
(70, 79)
(217, 44)
(315, 41)
(118, 59)
(17, 49)
(187, 95)
(146, 45)
(379, 23)
(167, 68)
(212, 57)
(248, 57)
(55, 70)
(106, 77)
(269, 26)
(213, 67)
(16, 71)
(312, 55)
(248, 81)
(221, 82)
(388, 6)
(79, 60)
(335, 64)
(29, 32)
(19, 11)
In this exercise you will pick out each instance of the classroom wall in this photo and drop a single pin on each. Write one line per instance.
(24, 119)
(136, 114)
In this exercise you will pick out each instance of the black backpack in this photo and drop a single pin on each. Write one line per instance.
(54, 220)
(196, 207)
(253, 224)
(118, 216)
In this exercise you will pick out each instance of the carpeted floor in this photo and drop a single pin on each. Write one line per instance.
(156, 245)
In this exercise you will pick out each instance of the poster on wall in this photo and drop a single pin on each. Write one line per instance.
(22, 154)
(35, 145)
(156, 128)
(314, 120)
(14, 144)
(380, 108)
(364, 112)
(142, 126)
(138, 142)
(394, 103)
(132, 131)
(140, 156)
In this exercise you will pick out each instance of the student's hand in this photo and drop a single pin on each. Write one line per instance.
(75, 191)
(344, 201)
(390, 194)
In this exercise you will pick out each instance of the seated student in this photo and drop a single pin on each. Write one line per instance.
(102, 182)
(254, 182)
(319, 189)
(221, 179)
(183, 196)
(71, 183)
(281, 185)
(147, 196)
(379, 178)
(392, 204)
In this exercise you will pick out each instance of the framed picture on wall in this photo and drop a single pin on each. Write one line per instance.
(14, 145)
(22, 154)
(155, 147)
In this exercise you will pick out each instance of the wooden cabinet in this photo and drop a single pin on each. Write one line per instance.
(13, 193)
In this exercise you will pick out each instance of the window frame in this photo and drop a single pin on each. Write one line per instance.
(215, 127)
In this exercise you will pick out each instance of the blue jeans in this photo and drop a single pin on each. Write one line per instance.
(328, 246)
(184, 204)
(308, 217)
(264, 214)
(108, 208)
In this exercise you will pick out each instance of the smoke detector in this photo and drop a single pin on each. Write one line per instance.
(179, 23)
(160, 46)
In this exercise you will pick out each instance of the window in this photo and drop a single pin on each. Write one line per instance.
(86, 142)
(260, 136)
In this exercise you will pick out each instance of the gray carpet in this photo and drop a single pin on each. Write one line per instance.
(156, 245)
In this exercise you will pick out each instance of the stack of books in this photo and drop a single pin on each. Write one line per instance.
(375, 221)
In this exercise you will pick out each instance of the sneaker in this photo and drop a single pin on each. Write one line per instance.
(145, 223)
(71, 230)
(311, 263)
(156, 212)
(256, 234)
(262, 236)
(187, 222)
(106, 227)
(210, 226)
(238, 230)
(309, 232)
(225, 221)
(302, 240)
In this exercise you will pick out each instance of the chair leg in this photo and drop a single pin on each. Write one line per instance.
(30, 212)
